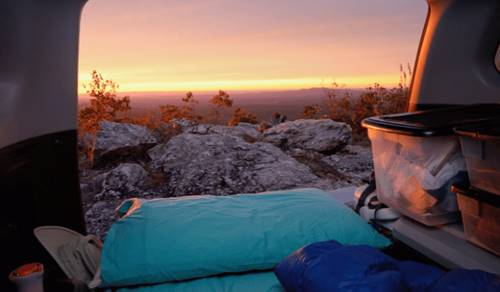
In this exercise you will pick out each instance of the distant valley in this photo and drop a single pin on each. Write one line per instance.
(261, 103)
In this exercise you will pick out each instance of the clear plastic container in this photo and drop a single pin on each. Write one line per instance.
(480, 213)
(417, 157)
(414, 175)
(481, 149)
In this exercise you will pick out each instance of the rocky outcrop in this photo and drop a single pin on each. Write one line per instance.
(220, 164)
(91, 186)
(125, 179)
(100, 216)
(118, 141)
(114, 136)
(246, 131)
(355, 162)
(324, 136)
(183, 124)
(200, 159)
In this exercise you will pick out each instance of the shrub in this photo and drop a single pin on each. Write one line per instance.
(311, 111)
(186, 111)
(149, 120)
(241, 116)
(219, 102)
(373, 101)
(278, 118)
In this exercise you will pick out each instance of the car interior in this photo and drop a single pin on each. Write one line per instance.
(437, 165)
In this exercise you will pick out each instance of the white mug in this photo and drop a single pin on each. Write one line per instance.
(28, 278)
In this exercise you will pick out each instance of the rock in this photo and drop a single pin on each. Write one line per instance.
(305, 154)
(324, 136)
(220, 164)
(199, 159)
(321, 169)
(86, 192)
(183, 124)
(248, 126)
(99, 217)
(118, 142)
(126, 178)
(113, 136)
(355, 162)
(165, 131)
(246, 131)
(91, 186)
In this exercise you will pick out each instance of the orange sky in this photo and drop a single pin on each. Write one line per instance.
(170, 45)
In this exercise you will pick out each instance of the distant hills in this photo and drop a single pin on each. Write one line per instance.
(261, 103)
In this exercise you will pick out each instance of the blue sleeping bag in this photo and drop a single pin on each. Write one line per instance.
(330, 266)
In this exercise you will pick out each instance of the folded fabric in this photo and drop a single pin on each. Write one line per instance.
(330, 266)
(177, 239)
(250, 282)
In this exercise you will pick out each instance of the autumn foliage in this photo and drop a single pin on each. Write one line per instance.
(104, 104)
(170, 112)
(340, 105)
(241, 116)
(220, 102)
(311, 111)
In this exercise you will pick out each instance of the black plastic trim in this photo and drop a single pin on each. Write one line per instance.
(39, 185)
(485, 132)
(434, 122)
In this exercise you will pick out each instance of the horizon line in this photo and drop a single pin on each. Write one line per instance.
(265, 85)
(230, 91)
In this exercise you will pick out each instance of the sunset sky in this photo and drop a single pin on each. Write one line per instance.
(200, 45)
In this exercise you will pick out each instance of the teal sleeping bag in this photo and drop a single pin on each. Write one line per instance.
(251, 282)
(177, 239)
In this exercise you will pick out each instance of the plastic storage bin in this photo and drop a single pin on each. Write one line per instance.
(481, 149)
(480, 213)
(417, 157)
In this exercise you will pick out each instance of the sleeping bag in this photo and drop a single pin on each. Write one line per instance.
(248, 282)
(331, 266)
(176, 239)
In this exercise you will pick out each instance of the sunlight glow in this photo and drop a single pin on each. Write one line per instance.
(263, 84)
(166, 45)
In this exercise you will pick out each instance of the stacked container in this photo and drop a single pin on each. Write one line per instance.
(417, 157)
(480, 203)
(481, 149)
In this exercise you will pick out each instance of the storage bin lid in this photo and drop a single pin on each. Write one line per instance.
(435, 122)
(480, 195)
(484, 131)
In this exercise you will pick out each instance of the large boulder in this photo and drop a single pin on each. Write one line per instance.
(219, 164)
(354, 162)
(246, 131)
(324, 136)
(112, 136)
(125, 179)
(117, 142)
